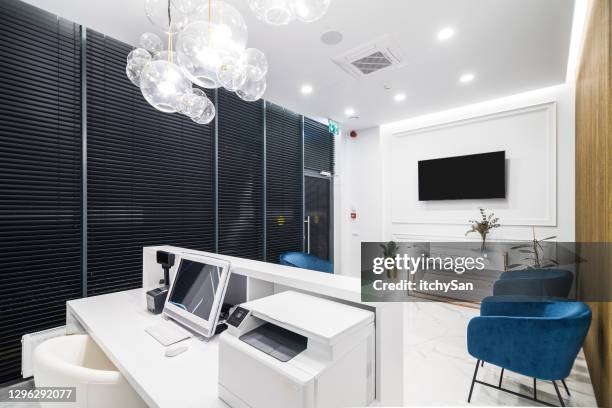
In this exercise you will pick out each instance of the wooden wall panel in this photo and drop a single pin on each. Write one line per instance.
(594, 186)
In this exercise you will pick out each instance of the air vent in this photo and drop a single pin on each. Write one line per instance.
(372, 63)
(371, 58)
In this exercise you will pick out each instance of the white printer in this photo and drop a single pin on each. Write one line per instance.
(296, 350)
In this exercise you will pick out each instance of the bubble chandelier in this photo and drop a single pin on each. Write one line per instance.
(211, 52)
(282, 12)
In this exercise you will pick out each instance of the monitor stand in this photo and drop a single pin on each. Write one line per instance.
(221, 327)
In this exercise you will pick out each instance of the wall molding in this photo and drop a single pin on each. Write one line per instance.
(409, 237)
(549, 219)
(546, 106)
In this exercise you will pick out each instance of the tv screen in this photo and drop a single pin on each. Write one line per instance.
(463, 177)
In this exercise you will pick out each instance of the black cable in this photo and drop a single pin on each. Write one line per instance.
(169, 14)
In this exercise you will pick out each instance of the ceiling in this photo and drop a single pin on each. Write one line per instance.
(510, 46)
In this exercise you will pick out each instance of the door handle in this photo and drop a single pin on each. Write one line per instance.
(307, 222)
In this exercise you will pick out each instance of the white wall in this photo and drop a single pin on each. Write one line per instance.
(378, 173)
(360, 189)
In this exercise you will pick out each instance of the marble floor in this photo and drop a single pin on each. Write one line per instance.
(438, 369)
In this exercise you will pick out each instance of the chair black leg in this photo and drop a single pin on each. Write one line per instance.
(566, 389)
(558, 394)
(501, 377)
(473, 381)
(535, 390)
(482, 363)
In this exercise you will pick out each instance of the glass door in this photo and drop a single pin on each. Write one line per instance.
(318, 215)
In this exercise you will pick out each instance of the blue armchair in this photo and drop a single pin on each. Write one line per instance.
(538, 339)
(306, 261)
(535, 282)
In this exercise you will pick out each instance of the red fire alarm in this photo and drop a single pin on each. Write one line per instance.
(353, 215)
(353, 134)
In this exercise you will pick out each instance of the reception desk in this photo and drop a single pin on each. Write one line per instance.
(117, 321)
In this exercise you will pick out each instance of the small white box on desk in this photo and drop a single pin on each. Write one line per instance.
(335, 368)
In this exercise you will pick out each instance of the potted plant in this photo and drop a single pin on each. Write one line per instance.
(535, 253)
(390, 251)
(483, 226)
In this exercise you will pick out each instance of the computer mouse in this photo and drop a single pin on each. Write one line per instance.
(173, 351)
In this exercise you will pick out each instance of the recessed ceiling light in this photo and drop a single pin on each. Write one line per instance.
(306, 89)
(399, 97)
(465, 78)
(349, 112)
(446, 33)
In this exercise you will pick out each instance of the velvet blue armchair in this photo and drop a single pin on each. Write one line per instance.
(306, 261)
(539, 339)
(535, 282)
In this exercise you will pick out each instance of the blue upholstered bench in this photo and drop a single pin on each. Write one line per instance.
(306, 261)
(535, 282)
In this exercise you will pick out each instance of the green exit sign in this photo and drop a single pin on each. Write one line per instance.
(333, 127)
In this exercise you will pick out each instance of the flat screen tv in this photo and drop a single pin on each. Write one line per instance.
(475, 176)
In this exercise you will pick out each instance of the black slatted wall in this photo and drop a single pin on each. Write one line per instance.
(40, 155)
(240, 176)
(318, 146)
(284, 179)
(150, 174)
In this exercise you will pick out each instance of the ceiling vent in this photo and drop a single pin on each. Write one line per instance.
(372, 63)
(369, 59)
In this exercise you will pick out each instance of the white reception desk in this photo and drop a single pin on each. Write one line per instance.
(117, 321)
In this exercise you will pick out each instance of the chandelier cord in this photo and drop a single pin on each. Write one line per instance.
(169, 33)
(169, 13)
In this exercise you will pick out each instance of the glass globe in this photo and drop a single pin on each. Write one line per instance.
(137, 60)
(138, 54)
(163, 84)
(188, 6)
(193, 105)
(227, 29)
(176, 57)
(231, 73)
(310, 10)
(151, 42)
(207, 115)
(275, 12)
(199, 92)
(256, 59)
(199, 43)
(253, 88)
(157, 13)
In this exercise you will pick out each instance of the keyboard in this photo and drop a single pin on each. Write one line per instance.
(168, 333)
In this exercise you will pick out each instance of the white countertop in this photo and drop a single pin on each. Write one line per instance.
(188, 380)
(325, 284)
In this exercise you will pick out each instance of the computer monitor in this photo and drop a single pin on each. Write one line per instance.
(197, 292)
